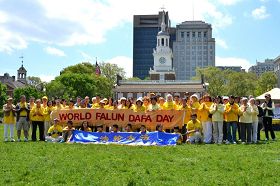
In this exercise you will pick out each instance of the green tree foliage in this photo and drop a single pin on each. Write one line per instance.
(110, 71)
(3, 95)
(71, 85)
(266, 82)
(133, 79)
(28, 91)
(81, 68)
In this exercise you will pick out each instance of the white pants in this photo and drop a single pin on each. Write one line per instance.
(218, 131)
(47, 125)
(195, 138)
(11, 126)
(207, 131)
(254, 131)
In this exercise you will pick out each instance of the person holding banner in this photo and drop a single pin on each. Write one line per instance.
(85, 127)
(143, 130)
(99, 128)
(268, 108)
(122, 103)
(109, 105)
(146, 102)
(139, 106)
(169, 104)
(128, 128)
(153, 106)
(159, 128)
(161, 103)
(115, 128)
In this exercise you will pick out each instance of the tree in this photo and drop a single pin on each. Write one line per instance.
(266, 82)
(3, 95)
(71, 85)
(28, 91)
(81, 68)
(111, 71)
(33, 81)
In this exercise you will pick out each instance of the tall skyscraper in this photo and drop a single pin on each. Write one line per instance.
(145, 30)
(194, 47)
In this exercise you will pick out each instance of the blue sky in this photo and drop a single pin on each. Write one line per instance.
(52, 35)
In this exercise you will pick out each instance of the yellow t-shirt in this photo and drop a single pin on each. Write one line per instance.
(139, 109)
(188, 113)
(153, 107)
(39, 114)
(204, 111)
(95, 106)
(108, 107)
(168, 106)
(231, 112)
(23, 112)
(9, 118)
(193, 126)
(55, 131)
(47, 111)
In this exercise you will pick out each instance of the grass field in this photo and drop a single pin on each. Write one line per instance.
(40, 163)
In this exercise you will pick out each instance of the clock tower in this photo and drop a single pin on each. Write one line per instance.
(163, 68)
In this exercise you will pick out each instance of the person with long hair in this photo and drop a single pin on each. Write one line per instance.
(85, 127)
(268, 108)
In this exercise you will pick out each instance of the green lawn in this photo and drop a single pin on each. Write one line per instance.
(40, 163)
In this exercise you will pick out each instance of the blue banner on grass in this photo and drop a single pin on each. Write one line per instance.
(125, 138)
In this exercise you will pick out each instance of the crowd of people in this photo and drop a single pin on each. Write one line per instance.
(218, 120)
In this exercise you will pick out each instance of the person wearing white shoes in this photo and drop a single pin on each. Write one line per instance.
(217, 110)
(23, 111)
(255, 120)
(9, 119)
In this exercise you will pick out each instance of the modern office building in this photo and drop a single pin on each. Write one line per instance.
(232, 68)
(194, 47)
(261, 67)
(277, 69)
(145, 30)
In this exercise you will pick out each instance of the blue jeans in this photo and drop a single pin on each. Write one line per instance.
(231, 131)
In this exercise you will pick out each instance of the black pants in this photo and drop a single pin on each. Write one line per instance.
(260, 126)
(267, 123)
(224, 131)
(246, 132)
(41, 126)
(238, 129)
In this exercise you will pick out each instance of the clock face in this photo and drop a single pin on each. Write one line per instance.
(162, 60)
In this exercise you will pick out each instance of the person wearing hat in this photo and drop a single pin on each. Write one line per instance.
(122, 104)
(96, 102)
(231, 118)
(169, 104)
(268, 109)
(194, 103)
(9, 119)
(102, 104)
(139, 105)
(55, 132)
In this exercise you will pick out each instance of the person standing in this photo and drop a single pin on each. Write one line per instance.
(255, 113)
(37, 117)
(231, 118)
(245, 121)
(217, 110)
(268, 108)
(260, 119)
(9, 119)
(22, 110)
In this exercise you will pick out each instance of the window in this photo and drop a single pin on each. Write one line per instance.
(182, 34)
(162, 42)
(188, 34)
(199, 34)
(205, 34)
(193, 34)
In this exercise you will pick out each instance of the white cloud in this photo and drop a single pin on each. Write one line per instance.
(46, 78)
(233, 61)
(260, 13)
(55, 51)
(124, 62)
(72, 22)
(222, 43)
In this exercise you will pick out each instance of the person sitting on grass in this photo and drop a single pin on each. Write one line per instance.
(99, 128)
(115, 128)
(55, 132)
(85, 127)
(159, 128)
(67, 131)
(143, 130)
(176, 131)
(194, 130)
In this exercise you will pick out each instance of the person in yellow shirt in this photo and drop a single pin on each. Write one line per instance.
(187, 117)
(177, 102)
(47, 112)
(146, 102)
(169, 104)
(64, 104)
(55, 132)
(96, 102)
(129, 103)
(109, 105)
(194, 104)
(22, 110)
(194, 130)
(139, 106)
(205, 120)
(122, 103)
(37, 118)
(9, 119)
(161, 102)
(231, 118)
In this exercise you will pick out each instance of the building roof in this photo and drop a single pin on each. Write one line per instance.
(157, 87)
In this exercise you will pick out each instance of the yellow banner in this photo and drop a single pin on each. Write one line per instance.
(169, 119)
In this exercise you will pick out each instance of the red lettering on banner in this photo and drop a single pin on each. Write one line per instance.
(107, 116)
(88, 116)
(140, 118)
(76, 116)
(165, 118)
(63, 116)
